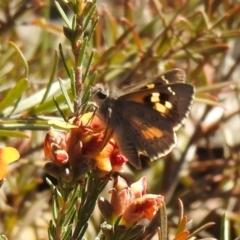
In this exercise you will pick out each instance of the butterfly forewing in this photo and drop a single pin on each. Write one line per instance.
(170, 101)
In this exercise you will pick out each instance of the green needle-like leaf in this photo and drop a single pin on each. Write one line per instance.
(14, 94)
(7, 133)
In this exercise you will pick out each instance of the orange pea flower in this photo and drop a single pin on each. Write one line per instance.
(140, 208)
(132, 203)
(7, 156)
(82, 148)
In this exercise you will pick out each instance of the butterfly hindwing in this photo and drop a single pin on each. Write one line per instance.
(147, 132)
(175, 75)
(129, 147)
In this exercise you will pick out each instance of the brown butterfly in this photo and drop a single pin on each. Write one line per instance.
(144, 119)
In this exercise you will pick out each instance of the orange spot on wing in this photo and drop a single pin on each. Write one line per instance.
(151, 133)
(148, 132)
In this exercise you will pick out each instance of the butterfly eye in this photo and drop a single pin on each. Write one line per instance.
(101, 94)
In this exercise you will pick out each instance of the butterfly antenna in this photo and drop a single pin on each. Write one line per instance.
(77, 113)
(87, 101)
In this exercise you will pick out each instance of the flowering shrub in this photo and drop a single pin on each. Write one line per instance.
(121, 43)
